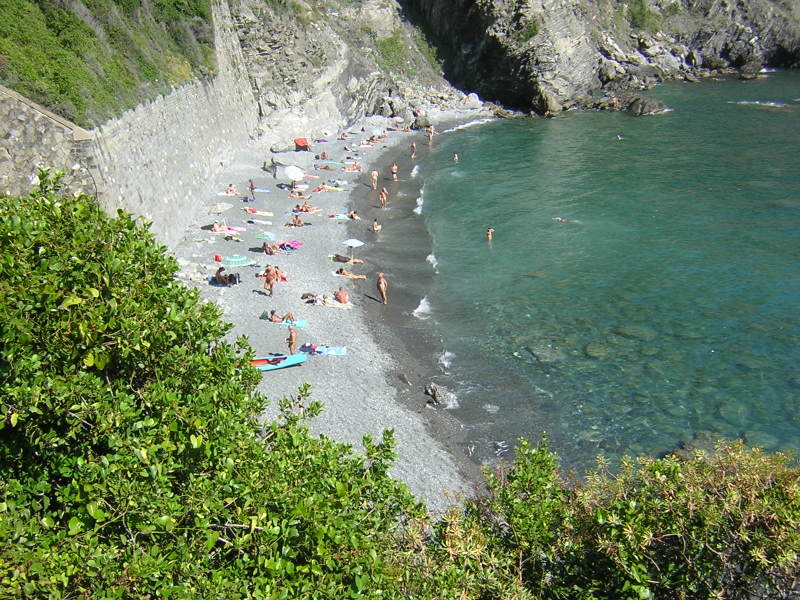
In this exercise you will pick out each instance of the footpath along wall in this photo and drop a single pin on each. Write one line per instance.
(154, 161)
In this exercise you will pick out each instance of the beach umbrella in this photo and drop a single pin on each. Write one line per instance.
(294, 173)
(237, 260)
(352, 243)
(266, 235)
(220, 207)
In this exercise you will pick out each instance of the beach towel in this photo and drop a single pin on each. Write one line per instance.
(300, 324)
(339, 217)
(324, 350)
(260, 190)
(259, 221)
(262, 213)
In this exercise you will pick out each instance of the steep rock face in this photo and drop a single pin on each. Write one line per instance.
(313, 69)
(548, 55)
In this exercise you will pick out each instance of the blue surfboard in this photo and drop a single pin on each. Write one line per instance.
(278, 361)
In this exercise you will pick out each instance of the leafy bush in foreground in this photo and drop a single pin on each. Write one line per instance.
(721, 526)
(131, 463)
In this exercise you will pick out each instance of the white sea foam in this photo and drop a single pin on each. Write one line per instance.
(759, 103)
(446, 359)
(431, 258)
(470, 124)
(415, 171)
(420, 202)
(423, 311)
(767, 70)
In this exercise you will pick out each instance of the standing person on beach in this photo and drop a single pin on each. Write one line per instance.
(413, 150)
(383, 285)
(374, 176)
(384, 197)
(431, 131)
(270, 278)
(291, 340)
(393, 170)
(252, 187)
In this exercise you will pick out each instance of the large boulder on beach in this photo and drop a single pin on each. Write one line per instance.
(472, 101)
(440, 396)
(421, 122)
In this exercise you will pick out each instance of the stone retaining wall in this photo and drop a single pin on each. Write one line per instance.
(154, 161)
(33, 138)
(157, 160)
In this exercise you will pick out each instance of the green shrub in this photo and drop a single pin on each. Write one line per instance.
(528, 31)
(641, 16)
(131, 463)
(393, 54)
(92, 68)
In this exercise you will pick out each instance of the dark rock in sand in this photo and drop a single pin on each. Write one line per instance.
(440, 396)
(421, 122)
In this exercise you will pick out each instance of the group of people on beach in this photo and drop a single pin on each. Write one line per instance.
(272, 275)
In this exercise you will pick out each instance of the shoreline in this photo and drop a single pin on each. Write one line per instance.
(362, 392)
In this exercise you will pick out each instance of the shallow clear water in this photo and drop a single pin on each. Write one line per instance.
(670, 307)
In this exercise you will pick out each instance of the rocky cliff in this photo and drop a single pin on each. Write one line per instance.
(318, 65)
(548, 55)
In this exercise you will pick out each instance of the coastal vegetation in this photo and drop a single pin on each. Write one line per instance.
(91, 64)
(133, 465)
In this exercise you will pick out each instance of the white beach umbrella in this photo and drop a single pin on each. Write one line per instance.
(293, 173)
(220, 207)
(352, 243)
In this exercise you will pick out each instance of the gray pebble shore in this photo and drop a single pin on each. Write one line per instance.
(357, 390)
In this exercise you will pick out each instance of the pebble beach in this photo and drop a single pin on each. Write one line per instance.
(377, 383)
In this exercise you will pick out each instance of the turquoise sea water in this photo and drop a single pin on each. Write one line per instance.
(670, 307)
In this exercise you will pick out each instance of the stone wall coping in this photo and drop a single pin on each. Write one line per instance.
(78, 133)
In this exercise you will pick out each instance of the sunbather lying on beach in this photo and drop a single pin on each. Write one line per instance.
(298, 196)
(354, 169)
(275, 318)
(346, 273)
(324, 167)
(328, 302)
(346, 259)
(353, 215)
(231, 190)
(306, 208)
(269, 249)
